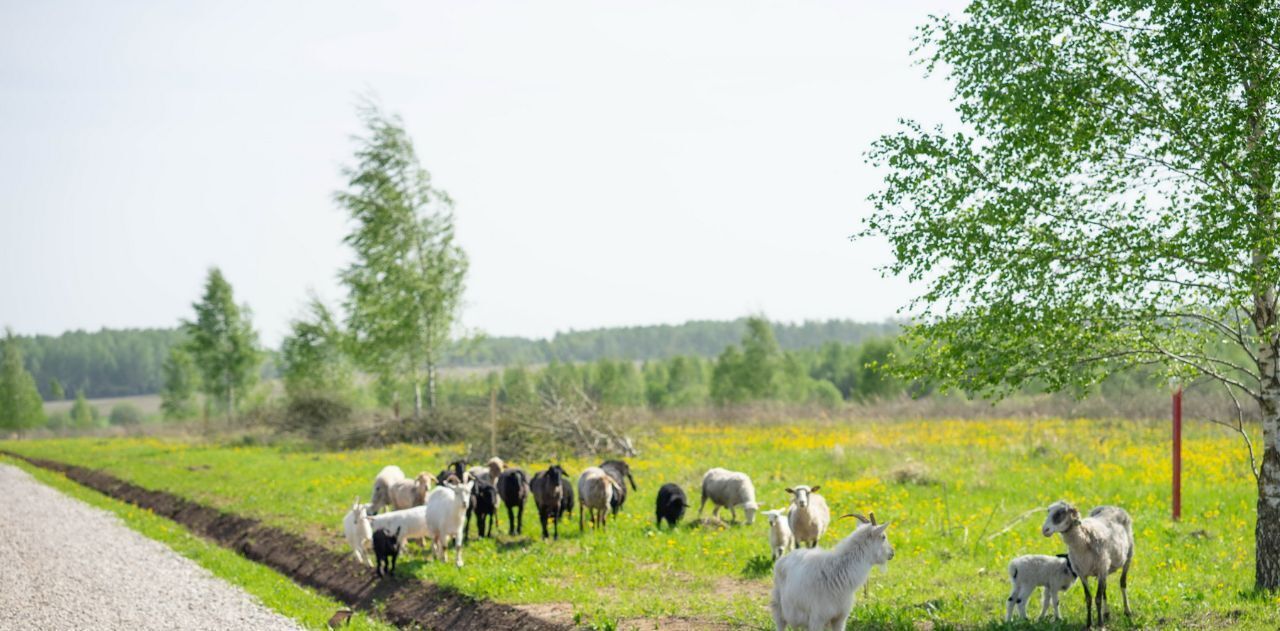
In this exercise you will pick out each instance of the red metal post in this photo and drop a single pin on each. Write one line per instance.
(1177, 454)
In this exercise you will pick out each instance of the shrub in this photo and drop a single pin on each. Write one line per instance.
(314, 414)
(125, 414)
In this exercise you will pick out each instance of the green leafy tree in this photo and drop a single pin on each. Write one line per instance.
(83, 415)
(518, 387)
(875, 378)
(20, 404)
(1109, 202)
(314, 358)
(406, 282)
(223, 344)
(178, 396)
(56, 391)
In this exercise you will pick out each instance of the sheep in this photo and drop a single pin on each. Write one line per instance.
(549, 488)
(446, 518)
(809, 515)
(729, 489)
(1097, 546)
(618, 469)
(671, 504)
(595, 489)
(455, 471)
(489, 472)
(814, 588)
(408, 493)
(780, 538)
(1031, 571)
(513, 487)
(484, 506)
(389, 475)
(357, 531)
(386, 546)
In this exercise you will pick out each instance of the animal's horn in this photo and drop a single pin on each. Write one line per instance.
(873, 518)
(860, 517)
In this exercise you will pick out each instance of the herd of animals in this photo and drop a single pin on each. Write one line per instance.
(813, 588)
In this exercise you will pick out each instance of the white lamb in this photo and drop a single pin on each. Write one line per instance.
(780, 539)
(358, 532)
(1031, 571)
(381, 495)
(446, 511)
(809, 515)
(729, 489)
(814, 588)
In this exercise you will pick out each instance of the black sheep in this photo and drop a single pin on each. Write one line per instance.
(671, 504)
(513, 487)
(386, 547)
(484, 506)
(617, 469)
(548, 489)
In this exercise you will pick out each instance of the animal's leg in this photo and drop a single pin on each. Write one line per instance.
(837, 623)
(1011, 603)
(1101, 599)
(1057, 600)
(1046, 597)
(520, 520)
(1088, 602)
(1023, 597)
(733, 514)
(776, 609)
(702, 505)
(1124, 587)
(580, 509)
(460, 536)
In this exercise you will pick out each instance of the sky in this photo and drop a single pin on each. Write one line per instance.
(612, 163)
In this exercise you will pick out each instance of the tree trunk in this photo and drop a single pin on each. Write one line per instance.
(230, 403)
(431, 386)
(1267, 530)
(417, 396)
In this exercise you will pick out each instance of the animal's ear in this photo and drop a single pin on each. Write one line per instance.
(881, 528)
(1075, 513)
(791, 491)
(814, 489)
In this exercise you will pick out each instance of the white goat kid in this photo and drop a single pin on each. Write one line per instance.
(813, 588)
(355, 527)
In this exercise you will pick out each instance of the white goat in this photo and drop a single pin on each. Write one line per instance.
(381, 495)
(1097, 546)
(595, 490)
(358, 533)
(813, 588)
(446, 516)
(407, 493)
(410, 523)
(809, 515)
(729, 489)
(1031, 571)
(780, 539)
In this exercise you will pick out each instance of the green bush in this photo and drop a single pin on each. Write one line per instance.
(315, 414)
(125, 414)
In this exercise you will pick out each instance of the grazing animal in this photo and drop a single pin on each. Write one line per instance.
(381, 495)
(671, 504)
(595, 489)
(729, 489)
(357, 531)
(456, 470)
(618, 470)
(814, 588)
(809, 515)
(446, 518)
(1097, 546)
(489, 472)
(1032, 571)
(781, 540)
(483, 507)
(410, 523)
(548, 489)
(408, 493)
(386, 546)
(513, 488)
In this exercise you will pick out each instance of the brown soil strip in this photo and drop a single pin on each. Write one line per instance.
(406, 603)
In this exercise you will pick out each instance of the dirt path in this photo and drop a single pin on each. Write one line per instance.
(67, 565)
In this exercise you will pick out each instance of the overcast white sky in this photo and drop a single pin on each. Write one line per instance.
(612, 163)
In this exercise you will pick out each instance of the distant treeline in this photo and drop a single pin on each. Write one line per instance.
(105, 363)
(699, 338)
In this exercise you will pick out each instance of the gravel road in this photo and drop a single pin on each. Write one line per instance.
(67, 565)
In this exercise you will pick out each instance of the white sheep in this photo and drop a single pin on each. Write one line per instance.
(407, 493)
(809, 515)
(814, 588)
(381, 495)
(1031, 571)
(780, 539)
(728, 489)
(595, 490)
(358, 532)
(1097, 546)
(446, 512)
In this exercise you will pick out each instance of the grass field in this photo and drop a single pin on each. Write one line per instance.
(953, 490)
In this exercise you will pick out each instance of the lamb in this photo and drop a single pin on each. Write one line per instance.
(1031, 571)
(618, 469)
(549, 488)
(407, 493)
(513, 487)
(446, 518)
(729, 489)
(357, 531)
(595, 490)
(809, 516)
(381, 496)
(489, 472)
(484, 507)
(814, 588)
(671, 504)
(1097, 546)
(780, 538)
(386, 546)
